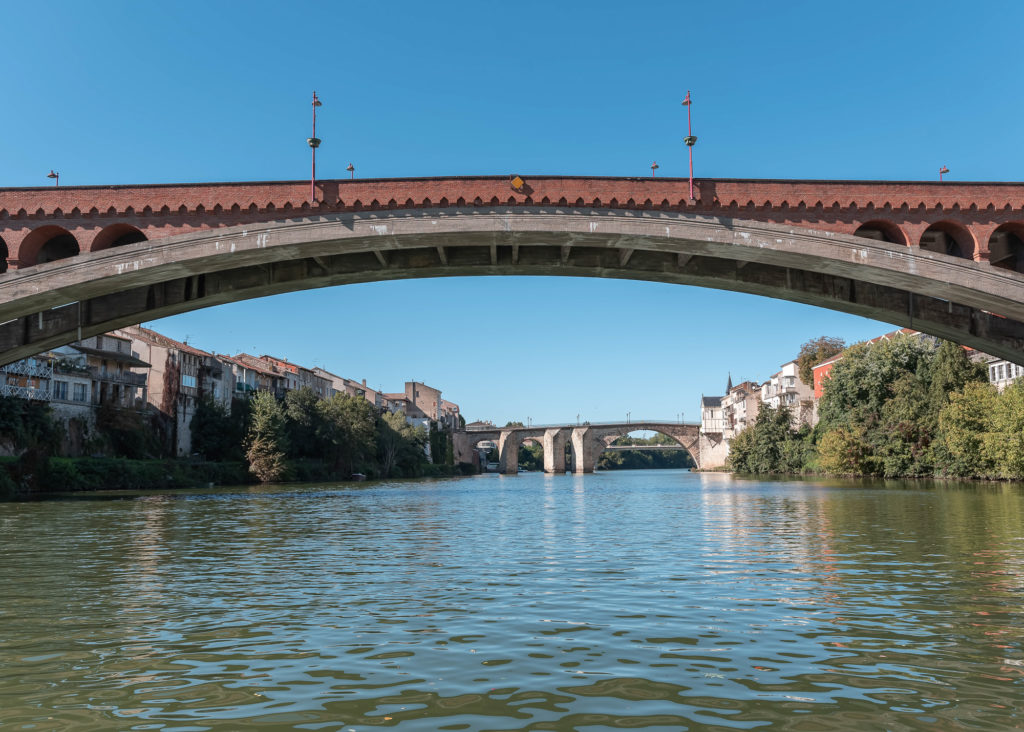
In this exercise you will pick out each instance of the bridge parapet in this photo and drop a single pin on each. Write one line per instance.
(96, 217)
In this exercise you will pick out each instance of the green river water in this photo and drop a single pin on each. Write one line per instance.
(651, 599)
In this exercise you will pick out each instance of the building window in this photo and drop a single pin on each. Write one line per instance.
(60, 390)
(188, 380)
(79, 393)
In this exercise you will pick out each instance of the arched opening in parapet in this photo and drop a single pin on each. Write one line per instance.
(1006, 247)
(3, 255)
(48, 244)
(117, 235)
(644, 450)
(882, 231)
(945, 237)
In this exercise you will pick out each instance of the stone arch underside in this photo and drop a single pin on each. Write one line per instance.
(961, 300)
(686, 436)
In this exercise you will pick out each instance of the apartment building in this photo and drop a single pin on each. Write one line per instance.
(180, 376)
(785, 389)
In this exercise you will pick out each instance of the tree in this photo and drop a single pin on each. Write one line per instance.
(347, 432)
(951, 370)
(399, 444)
(217, 433)
(963, 423)
(770, 445)
(301, 410)
(814, 352)
(861, 382)
(1003, 443)
(843, 452)
(266, 443)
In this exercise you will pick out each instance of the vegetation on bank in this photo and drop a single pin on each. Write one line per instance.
(896, 408)
(300, 437)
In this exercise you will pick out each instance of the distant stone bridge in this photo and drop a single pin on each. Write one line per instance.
(946, 259)
(586, 441)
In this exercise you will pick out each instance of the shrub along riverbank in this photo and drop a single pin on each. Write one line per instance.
(897, 408)
(265, 439)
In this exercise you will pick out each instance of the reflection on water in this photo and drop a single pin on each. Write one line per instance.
(661, 600)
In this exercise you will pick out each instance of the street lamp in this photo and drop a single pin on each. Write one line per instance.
(351, 169)
(654, 166)
(690, 140)
(942, 170)
(314, 143)
(55, 176)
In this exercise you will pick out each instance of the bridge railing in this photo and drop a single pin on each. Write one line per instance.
(637, 424)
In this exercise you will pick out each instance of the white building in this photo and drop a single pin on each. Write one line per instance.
(785, 389)
(1002, 373)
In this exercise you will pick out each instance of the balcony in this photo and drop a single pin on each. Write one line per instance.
(119, 377)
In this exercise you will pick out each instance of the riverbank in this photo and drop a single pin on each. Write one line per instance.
(26, 476)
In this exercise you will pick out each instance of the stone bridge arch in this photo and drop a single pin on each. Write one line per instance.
(966, 301)
(590, 442)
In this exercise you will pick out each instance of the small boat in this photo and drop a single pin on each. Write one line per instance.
(358, 476)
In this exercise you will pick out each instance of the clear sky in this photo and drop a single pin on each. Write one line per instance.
(146, 92)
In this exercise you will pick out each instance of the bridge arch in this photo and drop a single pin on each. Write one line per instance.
(116, 235)
(48, 244)
(1006, 247)
(56, 303)
(4, 254)
(880, 230)
(949, 237)
(605, 437)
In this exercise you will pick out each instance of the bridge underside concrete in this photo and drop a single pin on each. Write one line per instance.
(960, 300)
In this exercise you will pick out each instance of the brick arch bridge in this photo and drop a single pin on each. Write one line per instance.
(586, 443)
(943, 258)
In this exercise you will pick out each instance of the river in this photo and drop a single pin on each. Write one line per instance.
(661, 600)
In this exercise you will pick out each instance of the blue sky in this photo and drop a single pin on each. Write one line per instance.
(133, 92)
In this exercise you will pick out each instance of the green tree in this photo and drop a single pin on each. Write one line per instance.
(217, 432)
(861, 382)
(814, 352)
(951, 369)
(399, 445)
(843, 452)
(304, 423)
(770, 445)
(347, 432)
(1003, 443)
(266, 443)
(963, 423)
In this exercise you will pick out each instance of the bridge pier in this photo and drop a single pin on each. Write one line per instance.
(554, 450)
(508, 452)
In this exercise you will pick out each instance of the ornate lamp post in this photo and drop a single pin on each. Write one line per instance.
(690, 139)
(314, 143)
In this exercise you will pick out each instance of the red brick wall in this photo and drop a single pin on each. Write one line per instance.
(840, 206)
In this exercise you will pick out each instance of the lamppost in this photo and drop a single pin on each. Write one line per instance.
(654, 166)
(627, 417)
(690, 140)
(314, 143)
(55, 176)
(942, 170)
(351, 169)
